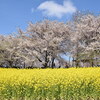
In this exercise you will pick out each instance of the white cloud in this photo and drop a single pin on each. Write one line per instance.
(53, 9)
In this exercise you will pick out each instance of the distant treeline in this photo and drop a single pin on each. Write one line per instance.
(44, 43)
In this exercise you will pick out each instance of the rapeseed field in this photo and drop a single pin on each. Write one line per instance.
(50, 84)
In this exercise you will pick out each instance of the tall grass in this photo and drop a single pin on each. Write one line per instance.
(50, 84)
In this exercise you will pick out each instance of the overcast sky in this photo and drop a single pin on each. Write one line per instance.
(17, 13)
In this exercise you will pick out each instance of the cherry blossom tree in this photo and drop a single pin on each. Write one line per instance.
(85, 37)
(45, 40)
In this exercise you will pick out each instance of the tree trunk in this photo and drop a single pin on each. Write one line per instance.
(32, 64)
(24, 66)
(77, 62)
(52, 62)
(77, 55)
(92, 63)
(10, 64)
(46, 60)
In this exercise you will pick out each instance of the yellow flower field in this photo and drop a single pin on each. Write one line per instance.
(49, 84)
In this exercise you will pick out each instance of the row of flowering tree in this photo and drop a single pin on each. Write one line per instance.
(44, 43)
